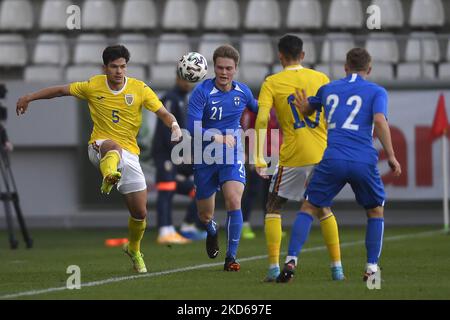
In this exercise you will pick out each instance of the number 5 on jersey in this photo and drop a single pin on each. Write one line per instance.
(115, 116)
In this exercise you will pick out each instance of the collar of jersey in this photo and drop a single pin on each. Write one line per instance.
(350, 77)
(294, 67)
(233, 86)
(113, 91)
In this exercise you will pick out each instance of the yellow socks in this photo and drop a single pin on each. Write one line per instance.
(331, 236)
(272, 229)
(109, 163)
(136, 229)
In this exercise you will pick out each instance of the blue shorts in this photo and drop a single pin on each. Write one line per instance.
(209, 180)
(331, 175)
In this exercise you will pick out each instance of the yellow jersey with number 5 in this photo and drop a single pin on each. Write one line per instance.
(304, 139)
(117, 115)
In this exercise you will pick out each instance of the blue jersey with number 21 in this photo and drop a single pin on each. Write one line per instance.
(350, 105)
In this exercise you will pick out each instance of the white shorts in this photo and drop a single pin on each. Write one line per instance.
(290, 182)
(133, 179)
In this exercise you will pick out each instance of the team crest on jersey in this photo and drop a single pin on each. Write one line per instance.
(237, 101)
(129, 98)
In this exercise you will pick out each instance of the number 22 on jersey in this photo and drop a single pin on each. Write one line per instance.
(353, 101)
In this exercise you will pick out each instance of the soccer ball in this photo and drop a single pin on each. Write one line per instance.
(192, 67)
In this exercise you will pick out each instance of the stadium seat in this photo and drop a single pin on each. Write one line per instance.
(412, 71)
(256, 48)
(253, 74)
(262, 14)
(162, 76)
(382, 47)
(309, 47)
(180, 14)
(13, 51)
(427, 13)
(444, 71)
(82, 73)
(336, 46)
(391, 13)
(51, 49)
(345, 14)
(53, 15)
(16, 15)
(139, 46)
(98, 15)
(139, 14)
(381, 71)
(171, 47)
(89, 48)
(335, 71)
(221, 15)
(209, 42)
(137, 71)
(304, 14)
(430, 47)
(38, 73)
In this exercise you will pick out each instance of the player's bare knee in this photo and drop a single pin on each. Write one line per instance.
(377, 212)
(309, 208)
(140, 214)
(205, 217)
(275, 204)
(323, 213)
(233, 203)
(109, 145)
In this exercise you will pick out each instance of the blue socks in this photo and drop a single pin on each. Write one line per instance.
(211, 227)
(374, 239)
(234, 228)
(300, 232)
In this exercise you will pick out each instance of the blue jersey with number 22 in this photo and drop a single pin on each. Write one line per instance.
(350, 105)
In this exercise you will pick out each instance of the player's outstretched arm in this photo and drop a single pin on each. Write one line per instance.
(170, 121)
(46, 93)
(384, 134)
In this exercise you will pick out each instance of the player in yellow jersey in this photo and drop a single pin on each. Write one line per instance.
(115, 104)
(304, 141)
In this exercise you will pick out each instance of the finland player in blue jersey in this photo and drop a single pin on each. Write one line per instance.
(354, 107)
(213, 119)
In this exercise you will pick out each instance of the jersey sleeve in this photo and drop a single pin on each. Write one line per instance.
(380, 102)
(150, 100)
(316, 101)
(79, 89)
(265, 102)
(252, 103)
(195, 109)
(265, 98)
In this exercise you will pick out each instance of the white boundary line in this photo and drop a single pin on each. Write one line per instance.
(203, 266)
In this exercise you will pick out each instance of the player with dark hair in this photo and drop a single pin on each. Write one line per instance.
(304, 141)
(115, 104)
(354, 107)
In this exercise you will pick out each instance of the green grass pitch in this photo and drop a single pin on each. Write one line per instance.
(414, 266)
